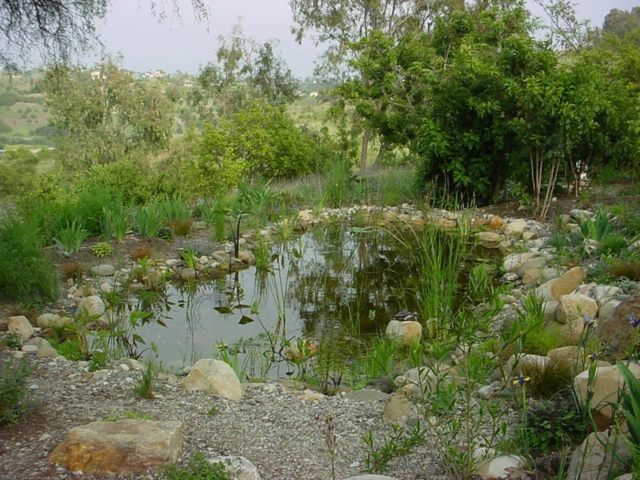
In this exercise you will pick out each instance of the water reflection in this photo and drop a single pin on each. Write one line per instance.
(333, 281)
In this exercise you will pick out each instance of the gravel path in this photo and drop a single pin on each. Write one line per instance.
(273, 425)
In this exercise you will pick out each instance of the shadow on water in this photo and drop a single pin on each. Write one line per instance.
(335, 280)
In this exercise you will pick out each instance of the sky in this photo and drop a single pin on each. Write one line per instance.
(180, 42)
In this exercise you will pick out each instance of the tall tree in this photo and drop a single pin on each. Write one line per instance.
(341, 23)
(105, 114)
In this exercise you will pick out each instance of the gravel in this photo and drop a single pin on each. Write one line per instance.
(273, 426)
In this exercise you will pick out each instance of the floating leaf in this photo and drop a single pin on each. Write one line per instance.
(161, 322)
(244, 320)
(224, 310)
(242, 305)
(254, 308)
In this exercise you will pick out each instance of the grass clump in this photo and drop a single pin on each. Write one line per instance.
(13, 390)
(27, 273)
(144, 388)
(198, 468)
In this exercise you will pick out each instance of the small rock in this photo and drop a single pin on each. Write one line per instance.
(104, 270)
(398, 406)
(515, 228)
(503, 466)
(215, 377)
(20, 325)
(52, 320)
(92, 306)
(406, 333)
(237, 468)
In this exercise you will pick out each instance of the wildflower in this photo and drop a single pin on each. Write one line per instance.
(587, 321)
(634, 320)
(520, 380)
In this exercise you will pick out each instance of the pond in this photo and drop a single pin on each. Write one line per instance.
(333, 280)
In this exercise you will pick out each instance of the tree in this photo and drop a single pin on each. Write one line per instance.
(58, 27)
(105, 114)
(244, 70)
(621, 22)
(342, 23)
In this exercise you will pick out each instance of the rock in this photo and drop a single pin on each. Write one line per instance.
(597, 456)
(187, 273)
(574, 307)
(489, 239)
(237, 468)
(371, 477)
(563, 285)
(548, 274)
(104, 270)
(495, 222)
(44, 348)
(398, 406)
(215, 377)
(92, 306)
(500, 467)
(614, 329)
(513, 262)
(531, 277)
(122, 447)
(301, 350)
(515, 228)
(29, 349)
(417, 381)
(305, 216)
(535, 263)
(133, 364)
(20, 325)
(529, 235)
(605, 389)
(569, 358)
(365, 395)
(311, 395)
(52, 320)
(550, 308)
(605, 293)
(406, 333)
(247, 257)
(580, 215)
(172, 262)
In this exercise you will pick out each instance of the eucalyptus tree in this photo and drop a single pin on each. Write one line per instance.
(340, 24)
(106, 114)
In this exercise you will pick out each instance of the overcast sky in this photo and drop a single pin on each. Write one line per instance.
(182, 43)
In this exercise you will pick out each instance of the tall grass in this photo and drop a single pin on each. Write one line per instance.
(27, 273)
(115, 222)
(439, 259)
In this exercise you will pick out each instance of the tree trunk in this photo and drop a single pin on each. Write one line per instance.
(384, 147)
(364, 147)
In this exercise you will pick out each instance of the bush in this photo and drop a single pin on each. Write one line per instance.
(198, 468)
(27, 273)
(13, 389)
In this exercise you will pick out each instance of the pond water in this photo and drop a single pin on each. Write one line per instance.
(334, 280)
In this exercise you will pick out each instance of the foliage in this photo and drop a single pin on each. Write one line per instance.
(12, 340)
(631, 403)
(198, 468)
(102, 249)
(70, 237)
(13, 389)
(144, 387)
(105, 116)
(27, 273)
(398, 442)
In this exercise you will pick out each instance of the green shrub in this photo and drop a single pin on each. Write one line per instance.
(102, 249)
(27, 273)
(13, 389)
(198, 468)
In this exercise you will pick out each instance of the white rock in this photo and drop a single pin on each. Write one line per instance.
(104, 270)
(93, 306)
(215, 377)
(500, 467)
(515, 228)
(238, 468)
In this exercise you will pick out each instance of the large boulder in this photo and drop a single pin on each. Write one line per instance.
(122, 447)
(53, 320)
(605, 389)
(535, 263)
(405, 333)
(615, 331)
(515, 228)
(215, 377)
(20, 324)
(574, 307)
(514, 261)
(599, 455)
(562, 285)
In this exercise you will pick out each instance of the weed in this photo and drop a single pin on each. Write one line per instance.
(149, 219)
(13, 341)
(144, 388)
(331, 442)
(141, 252)
(213, 411)
(182, 228)
(13, 389)
(198, 468)
(71, 349)
(115, 223)
(398, 442)
(69, 239)
(102, 250)
(27, 273)
(72, 269)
